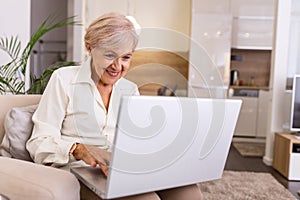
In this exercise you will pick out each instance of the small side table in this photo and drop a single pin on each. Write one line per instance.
(286, 158)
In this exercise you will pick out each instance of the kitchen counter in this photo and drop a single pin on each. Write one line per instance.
(246, 91)
(250, 87)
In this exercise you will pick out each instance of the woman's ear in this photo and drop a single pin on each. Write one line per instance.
(89, 49)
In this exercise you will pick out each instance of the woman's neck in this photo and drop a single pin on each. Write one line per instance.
(105, 92)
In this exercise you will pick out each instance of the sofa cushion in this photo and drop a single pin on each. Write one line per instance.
(25, 180)
(18, 128)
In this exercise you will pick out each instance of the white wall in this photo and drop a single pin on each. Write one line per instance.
(22, 18)
(278, 105)
(75, 34)
(14, 21)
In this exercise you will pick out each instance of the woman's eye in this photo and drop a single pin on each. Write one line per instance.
(126, 57)
(110, 56)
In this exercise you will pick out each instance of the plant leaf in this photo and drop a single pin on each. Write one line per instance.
(11, 46)
(12, 74)
(44, 28)
(38, 85)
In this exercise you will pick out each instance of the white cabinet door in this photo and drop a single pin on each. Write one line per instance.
(246, 124)
(252, 7)
(210, 46)
(262, 113)
(253, 24)
(252, 33)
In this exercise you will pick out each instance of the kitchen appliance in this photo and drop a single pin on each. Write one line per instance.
(234, 77)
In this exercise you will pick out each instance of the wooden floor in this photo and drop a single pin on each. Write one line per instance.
(236, 162)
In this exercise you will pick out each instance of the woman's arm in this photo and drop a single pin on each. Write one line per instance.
(45, 145)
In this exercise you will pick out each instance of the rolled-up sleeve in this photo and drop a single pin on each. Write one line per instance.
(45, 145)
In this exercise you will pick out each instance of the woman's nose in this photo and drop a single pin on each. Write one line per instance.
(117, 64)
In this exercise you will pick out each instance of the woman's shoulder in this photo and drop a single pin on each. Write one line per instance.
(65, 75)
(69, 70)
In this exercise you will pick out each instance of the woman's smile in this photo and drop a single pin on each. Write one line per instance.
(112, 73)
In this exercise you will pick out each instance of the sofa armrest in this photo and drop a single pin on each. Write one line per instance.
(25, 180)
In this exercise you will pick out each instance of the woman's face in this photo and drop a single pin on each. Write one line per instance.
(108, 66)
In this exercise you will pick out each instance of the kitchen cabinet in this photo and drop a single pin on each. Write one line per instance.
(253, 24)
(246, 124)
(252, 33)
(210, 46)
(252, 121)
(262, 113)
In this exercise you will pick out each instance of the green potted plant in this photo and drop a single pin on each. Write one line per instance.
(12, 73)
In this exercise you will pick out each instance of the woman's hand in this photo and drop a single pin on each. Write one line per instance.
(93, 156)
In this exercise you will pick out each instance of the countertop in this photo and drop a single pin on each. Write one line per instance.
(250, 87)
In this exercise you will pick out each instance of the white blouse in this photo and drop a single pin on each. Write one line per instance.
(71, 110)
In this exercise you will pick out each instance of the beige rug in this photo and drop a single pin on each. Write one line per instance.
(246, 186)
(250, 149)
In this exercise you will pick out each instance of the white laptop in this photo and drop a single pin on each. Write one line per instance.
(165, 142)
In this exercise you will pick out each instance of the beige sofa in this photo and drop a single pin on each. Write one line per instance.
(21, 179)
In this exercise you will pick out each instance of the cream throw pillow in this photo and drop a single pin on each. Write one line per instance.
(18, 128)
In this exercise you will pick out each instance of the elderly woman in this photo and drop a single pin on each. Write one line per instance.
(75, 120)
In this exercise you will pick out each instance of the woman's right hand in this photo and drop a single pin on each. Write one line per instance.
(93, 156)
